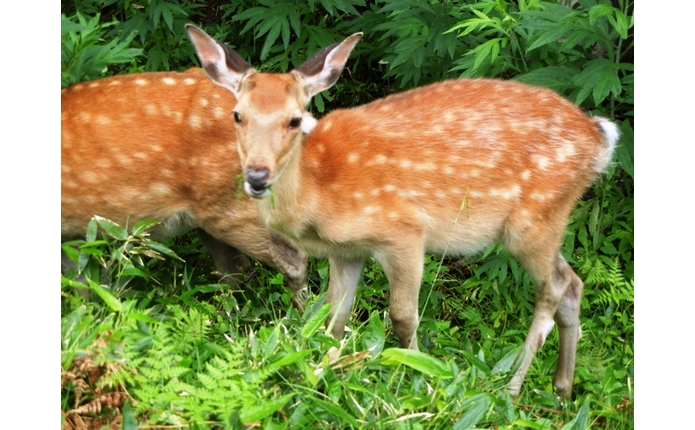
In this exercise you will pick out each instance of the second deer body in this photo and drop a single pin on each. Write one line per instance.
(158, 146)
(448, 168)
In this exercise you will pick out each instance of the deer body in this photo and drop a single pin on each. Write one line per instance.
(448, 168)
(158, 146)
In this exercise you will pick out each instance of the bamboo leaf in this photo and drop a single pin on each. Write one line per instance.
(417, 360)
(254, 413)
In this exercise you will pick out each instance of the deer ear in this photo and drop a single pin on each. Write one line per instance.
(322, 70)
(224, 66)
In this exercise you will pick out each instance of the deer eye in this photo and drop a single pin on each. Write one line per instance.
(237, 117)
(295, 122)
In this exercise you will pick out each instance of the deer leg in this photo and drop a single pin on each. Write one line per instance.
(229, 261)
(342, 286)
(567, 319)
(551, 290)
(403, 268)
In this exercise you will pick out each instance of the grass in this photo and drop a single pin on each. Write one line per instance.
(157, 343)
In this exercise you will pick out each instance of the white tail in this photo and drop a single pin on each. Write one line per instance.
(159, 146)
(448, 168)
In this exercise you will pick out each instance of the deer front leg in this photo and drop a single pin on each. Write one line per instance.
(344, 274)
(403, 268)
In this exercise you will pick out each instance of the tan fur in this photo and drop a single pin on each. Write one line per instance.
(160, 146)
(448, 168)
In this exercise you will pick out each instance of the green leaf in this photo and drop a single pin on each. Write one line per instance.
(291, 358)
(374, 335)
(162, 249)
(257, 412)
(112, 301)
(506, 362)
(557, 78)
(92, 230)
(624, 152)
(599, 77)
(417, 360)
(478, 363)
(552, 32)
(316, 321)
(581, 421)
(128, 418)
(476, 407)
(337, 411)
(142, 226)
(111, 228)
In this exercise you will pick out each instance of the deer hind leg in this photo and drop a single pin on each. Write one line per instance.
(567, 319)
(403, 267)
(558, 296)
(342, 286)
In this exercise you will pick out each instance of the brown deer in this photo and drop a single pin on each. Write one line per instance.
(448, 168)
(159, 146)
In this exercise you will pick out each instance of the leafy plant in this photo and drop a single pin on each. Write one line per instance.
(167, 345)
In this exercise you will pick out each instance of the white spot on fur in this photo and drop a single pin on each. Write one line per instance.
(357, 195)
(103, 120)
(541, 161)
(506, 193)
(115, 82)
(564, 151)
(389, 188)
(160, 188)
(525, 175)
(369, 210)
(379, 159)
(151, 109)
(91, 177)
(426, 166)
(353, 157)
(218, 112)
(189, 81)
(93, 84)
(141, 82)
(169, 81)
(405, 163)
(448, 170)
(202, 101)
(123, 159)
(449, 116)
(194, 121)
(541, 196)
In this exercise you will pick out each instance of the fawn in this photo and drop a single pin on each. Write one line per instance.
(159, 146)
(448, 168)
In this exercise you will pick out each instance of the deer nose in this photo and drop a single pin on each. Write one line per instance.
(257, 179)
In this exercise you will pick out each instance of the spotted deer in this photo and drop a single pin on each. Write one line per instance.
(449, 168)
(159, 146)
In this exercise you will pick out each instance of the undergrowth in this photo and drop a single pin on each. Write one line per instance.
(150, 338)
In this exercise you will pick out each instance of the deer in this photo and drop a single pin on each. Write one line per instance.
(157, 145)
(448, 168)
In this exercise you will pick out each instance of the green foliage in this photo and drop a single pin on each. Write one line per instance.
(192, 352)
